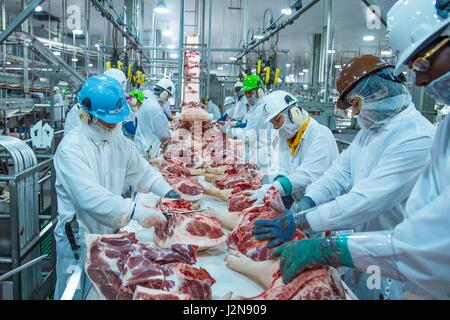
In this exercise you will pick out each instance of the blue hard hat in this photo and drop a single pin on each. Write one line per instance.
(104, 98)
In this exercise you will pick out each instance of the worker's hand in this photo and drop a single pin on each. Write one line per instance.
(258, 195)
(172, 194)
(296, 256)
(164, 145)
(304, 204)
(278, 230)
(148, 216)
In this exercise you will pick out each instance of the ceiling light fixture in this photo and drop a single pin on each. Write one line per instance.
(233, 58)
(386, 52)
(331, 51)
(305, 70)
(368, 38)
(288, 65)
(161, 7)
(167, 33)
(301, 73)
(220, 68)
(173, 56)
(338, 66)
(38, 9)
(77, 31)
(286, 11)
(74, 59)
(170, 47)
(259, 37)
(90, 65)
(56, 53)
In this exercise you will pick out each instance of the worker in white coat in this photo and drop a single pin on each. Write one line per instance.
(228, 109)
(240, 110)
(416, 250)
(73, 116)
(306, 148)
(134, 100)
(59, 107)
(92, 164)
(213, 109)
(366, 188)
(153, 129)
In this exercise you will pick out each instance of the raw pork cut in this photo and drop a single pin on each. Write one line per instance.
(242, 239)
(116, 264)
(253, 258)
(322, 283)
(197, 229)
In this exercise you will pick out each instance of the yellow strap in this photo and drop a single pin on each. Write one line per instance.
(295, 141)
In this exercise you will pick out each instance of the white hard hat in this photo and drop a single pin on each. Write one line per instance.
(56, 89)
(167, 85)
(228, 101)
(118, 75)
(276, 102)
(238, 85)
(412, 25)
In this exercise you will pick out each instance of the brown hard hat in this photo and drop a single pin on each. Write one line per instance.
(357, 69)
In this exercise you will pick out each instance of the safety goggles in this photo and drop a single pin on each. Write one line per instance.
(422, 64)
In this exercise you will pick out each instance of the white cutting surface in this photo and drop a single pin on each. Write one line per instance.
(212, 260)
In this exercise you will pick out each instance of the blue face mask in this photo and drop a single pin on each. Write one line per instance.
(439, 89)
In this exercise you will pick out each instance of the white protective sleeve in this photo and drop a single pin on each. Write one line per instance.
(388, 184)
(142, 177)
(334, 182)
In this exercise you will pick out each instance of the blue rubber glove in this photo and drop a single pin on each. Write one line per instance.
(296, 256)
(223, 117)
(278, 230)
(172, 194)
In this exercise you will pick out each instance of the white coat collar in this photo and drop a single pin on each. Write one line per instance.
(98, 135)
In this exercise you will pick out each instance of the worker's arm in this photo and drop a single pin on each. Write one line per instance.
(142, 177)
(388, 184)
(317, 158)
(335, 181)
(160, 125)
(75, 176)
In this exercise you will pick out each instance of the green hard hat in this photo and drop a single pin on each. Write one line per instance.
(138, 94)
(252, 82)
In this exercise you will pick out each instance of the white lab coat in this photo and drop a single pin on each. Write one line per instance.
(366, 188)
(229, 110)
(153, 127)
(315, 154)
(417, 251)
(214, 109)
(167, 111)
(90, 175)
(72, 120)
(59, 110)
(240, 110)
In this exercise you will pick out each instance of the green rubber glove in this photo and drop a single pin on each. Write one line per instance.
(296, 256)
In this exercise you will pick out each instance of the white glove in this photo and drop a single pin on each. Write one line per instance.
(259, 194)
(148, 216)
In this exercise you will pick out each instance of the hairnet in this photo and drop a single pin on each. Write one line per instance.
(383, 96)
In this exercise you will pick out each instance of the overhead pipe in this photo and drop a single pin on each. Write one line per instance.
(105, 13)
(280, 27)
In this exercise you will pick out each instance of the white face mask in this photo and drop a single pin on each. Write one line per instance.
(288, 129)
(99, 132)
(439, 89)
(251, 101)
